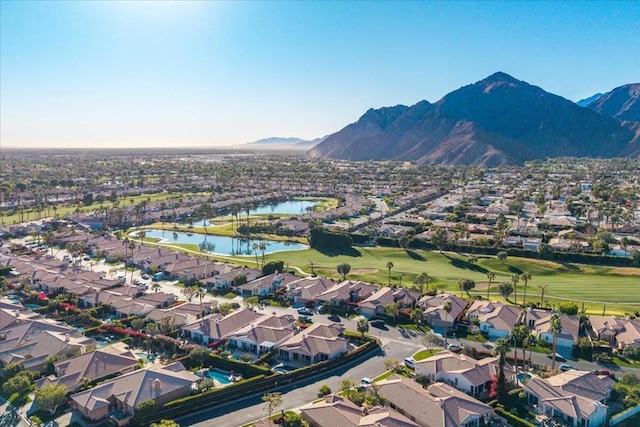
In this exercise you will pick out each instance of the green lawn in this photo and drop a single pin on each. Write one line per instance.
(593, 286)
(608, 289)
(423, 354)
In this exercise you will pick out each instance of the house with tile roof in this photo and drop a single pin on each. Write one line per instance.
(216, 327)
(347, 293)
(29, 339)
(620, 333)
(494, 318)
(264, 333)
(463, 372)
(576, 398)
(439, 405)
(118, 398)
(106, 361)
(375, 304)
(540, 320)
(336, 410)
(307, 289)
(434, 312)
(317, 343)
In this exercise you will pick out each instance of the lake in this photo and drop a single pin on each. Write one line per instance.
(291, 207)
(222, 245)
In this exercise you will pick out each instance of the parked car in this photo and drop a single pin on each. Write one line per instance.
(366, 381)
(321, 309)
(305, 311)
(605, 372)
(455, 348)
(377, 323)
(410, 362)
(559, 357)
(145, 276)
(565, 367)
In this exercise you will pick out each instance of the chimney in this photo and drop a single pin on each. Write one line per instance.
(67, 337)
(157, 385)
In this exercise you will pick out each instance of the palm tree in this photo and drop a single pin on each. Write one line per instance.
(501, 349)
(466, 285)
(392, 310)
(505, 289)
(447, 310)
(543, 288)
(514, 279)
(255, 248)
(200, 293)
(156, 286)
(263, 247)
(417, 315)
(389, 267)
(491, 276)
(529, 342)
(132, 246)
(421, 280)
(555, 327)
(518, 333)
(526, 276)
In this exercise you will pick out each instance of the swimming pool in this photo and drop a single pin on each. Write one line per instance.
(523, 378)
(221, 376)
(32, 307)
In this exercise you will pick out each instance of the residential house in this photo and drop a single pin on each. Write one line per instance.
(266, 285)
(494, 318)
(576, 398)
(118, 398)
(434, 312)
(307, 289)
(263, 334)
(336, 410)
(317, 343)
(620, 333)
(375, 304)
(439, 405)
(463, 372)
(225, 280)
(216, 327)
(540, 320)
(106, 361)
(347, 293)
(29, 339)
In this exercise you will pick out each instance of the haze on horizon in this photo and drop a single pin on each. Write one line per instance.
(189, 73)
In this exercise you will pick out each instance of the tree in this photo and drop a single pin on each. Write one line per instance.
(200, 293)
(431, 340)
(138, 324)
(255, 248)
(514, 279)
(362, 326)
(440, 238)
(417, 316)
(389, 267)
(502, 256)
(346, 386)
(518, 334)
(555, 327)
(206, 384)
(392, 365)
(568, 307)
(239, 279)
(447, 309)
(272, 401)
(166, 423)
(146, 407)
(324, 390)
(251, 302)
(421, 281)
(501, 349)
(198, 355)
(505, 289)
(189, 292)
(392, 310)
(543, 288)
(344, 269)
(273, 267)
(263, 247)
(49, 397)
(156, 287)
(525, 277)
(466, 285)
(491, 277)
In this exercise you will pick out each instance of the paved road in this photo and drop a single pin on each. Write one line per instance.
(251, 408)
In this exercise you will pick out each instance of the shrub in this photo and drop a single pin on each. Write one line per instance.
(324, 390)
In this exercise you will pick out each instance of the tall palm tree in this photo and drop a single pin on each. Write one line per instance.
(526, 276)
(389, 267)
(447, 310)
(491, 277)
(263, 247)
(255, 248)
(529, 342)
(132, 246)
(518, 334)
(543, 288)
(200, 293)
(501, 349)
(555, 327)
(421, 280)
(514, 279)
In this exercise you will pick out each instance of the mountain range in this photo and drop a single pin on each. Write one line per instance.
(497, 120)
(289, 142)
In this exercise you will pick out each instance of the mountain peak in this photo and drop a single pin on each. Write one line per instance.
(500, 76)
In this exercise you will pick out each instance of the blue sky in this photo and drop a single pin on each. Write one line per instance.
(123, 74)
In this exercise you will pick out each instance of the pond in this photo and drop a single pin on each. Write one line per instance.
(290, 207)
(222, 245)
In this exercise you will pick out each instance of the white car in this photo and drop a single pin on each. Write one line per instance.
(366, 381)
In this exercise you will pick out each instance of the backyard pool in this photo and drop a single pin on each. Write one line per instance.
(102, 340)
(282, 369)
(148, 358)
(220, 376)
(32, 307)
(523, 378)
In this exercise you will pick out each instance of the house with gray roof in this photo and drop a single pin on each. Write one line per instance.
(576, 398)
(317, 343)
(118, 398)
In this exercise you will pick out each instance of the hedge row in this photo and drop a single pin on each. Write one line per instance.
(250, 386)
(513, 419)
